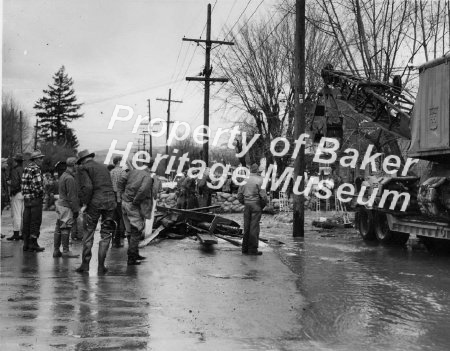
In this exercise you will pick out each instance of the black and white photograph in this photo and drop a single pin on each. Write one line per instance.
(225, 175)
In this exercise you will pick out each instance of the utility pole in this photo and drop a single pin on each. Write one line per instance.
(299, 98)
(149, 121)
(144, 136)
(36, 128)
(21, 131)
(168, 119)
(207, 73)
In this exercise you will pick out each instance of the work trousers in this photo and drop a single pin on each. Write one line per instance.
(252, 216)
(107, 228)
(134, 225)
(61, 235)
(76, 233)
(17, 207)
(120, 227)
(32, 219)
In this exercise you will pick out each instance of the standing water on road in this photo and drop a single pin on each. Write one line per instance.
(360, 296)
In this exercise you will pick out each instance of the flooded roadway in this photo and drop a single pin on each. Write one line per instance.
(330, 291)
(364, 296)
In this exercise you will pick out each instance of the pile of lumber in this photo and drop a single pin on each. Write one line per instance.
(170, 222)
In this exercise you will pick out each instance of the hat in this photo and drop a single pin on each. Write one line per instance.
(18, 157)
(71, 161)
(254, 168)
(36, 154)
(83, 154)
(117, 159)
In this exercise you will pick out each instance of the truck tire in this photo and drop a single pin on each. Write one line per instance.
(386, 236)
(365, 225)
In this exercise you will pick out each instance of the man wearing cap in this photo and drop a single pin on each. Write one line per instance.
(67, 208)
(33, 195)
(136, 188)
(97, 193)
(16, 197)
(116, 173)
(255, 199)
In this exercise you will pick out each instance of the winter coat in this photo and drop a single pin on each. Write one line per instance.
(68, 192)
(136, 187)
(251, 191)
(16, 180)
(96, 187)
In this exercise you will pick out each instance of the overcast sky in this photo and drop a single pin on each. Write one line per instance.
(117, 52)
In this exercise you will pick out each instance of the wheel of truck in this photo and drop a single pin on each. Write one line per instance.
(386, 236)
(364, 222)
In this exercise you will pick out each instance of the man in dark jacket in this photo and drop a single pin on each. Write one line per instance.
(97, 193)
(254, 199)
(17, 197)
(67, 208)
(33, 195)
(136, 188)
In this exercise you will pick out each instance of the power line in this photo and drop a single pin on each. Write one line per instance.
(176, 63)
(193, 54)
(265, 39)
(130, 93)
(243, 11)
(245, 24)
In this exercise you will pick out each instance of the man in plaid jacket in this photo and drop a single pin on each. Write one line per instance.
(33, 195)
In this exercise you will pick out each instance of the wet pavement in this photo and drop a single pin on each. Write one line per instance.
(329, 291)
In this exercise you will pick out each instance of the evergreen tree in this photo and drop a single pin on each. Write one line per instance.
(56, 108)
(70, 139)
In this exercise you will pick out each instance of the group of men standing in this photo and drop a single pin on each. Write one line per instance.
(85, 184)
(112, 197)
(132, 194)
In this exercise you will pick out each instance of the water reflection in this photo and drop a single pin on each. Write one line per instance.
(369, 297)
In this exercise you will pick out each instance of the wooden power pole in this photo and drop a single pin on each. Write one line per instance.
(168, 118)
(36, 128)
(21, 132)
(299, 97)
(149, 121)
(207, 74)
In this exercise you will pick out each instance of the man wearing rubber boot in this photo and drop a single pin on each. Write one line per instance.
(116, 173)
(137, 200)
(96, 192)
(33, 195)
(255, 199)
(67, 208)
(17, 197)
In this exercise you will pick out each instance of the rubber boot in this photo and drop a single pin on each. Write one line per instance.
(14, 237)
(56, 244)
(133, 262)
(65, 237)
(26, 243)
(102, 251)
(34, 246)
(116, 240)
(84, 268)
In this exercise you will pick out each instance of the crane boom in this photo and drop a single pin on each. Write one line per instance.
(382, 103)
